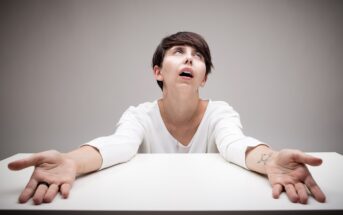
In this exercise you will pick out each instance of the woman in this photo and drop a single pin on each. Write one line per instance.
(179, 122)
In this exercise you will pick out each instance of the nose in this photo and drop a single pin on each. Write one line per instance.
(189, 59)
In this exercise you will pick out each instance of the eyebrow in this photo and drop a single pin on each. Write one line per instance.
(183, 46)
(177, 46)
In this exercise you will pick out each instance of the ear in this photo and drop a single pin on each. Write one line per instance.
(158, 73)
(203, 81)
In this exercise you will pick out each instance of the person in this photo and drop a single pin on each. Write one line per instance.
(179, 122)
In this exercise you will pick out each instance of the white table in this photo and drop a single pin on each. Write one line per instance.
(172, 183)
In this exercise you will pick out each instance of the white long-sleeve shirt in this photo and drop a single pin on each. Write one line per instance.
(141, 129)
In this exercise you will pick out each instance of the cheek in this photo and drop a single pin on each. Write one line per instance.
(170, 65)
(202, 72)
(202, 68)
(166, 65)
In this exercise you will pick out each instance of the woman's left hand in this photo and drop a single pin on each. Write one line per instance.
(287, 171)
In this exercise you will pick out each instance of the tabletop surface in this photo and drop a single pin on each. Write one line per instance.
(175, 182)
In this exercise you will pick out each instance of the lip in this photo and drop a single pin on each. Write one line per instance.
(186, 69)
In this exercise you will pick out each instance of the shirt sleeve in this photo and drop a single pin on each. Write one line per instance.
(123, 144)
(231, 142)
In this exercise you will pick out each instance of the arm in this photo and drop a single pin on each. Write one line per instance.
(286, 170)
(55, 172)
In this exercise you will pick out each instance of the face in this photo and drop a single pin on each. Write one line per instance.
(182, 67)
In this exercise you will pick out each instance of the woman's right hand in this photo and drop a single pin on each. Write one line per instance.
(54, 172)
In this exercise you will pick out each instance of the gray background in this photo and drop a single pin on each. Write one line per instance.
(70, 68)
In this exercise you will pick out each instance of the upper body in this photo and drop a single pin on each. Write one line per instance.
(181, 64)
(142, 129)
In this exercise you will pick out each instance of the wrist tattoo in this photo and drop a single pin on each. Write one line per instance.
(264, 158)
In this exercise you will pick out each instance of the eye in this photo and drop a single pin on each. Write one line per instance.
(178, 50)
(198, 54)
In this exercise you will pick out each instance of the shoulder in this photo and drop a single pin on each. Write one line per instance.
(140, 111)
(219, 103)
(223, 112)
(221, 107)
(145, 106)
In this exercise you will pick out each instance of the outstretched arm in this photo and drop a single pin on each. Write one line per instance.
(55, 172)
(286, 171)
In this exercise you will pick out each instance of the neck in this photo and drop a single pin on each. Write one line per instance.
(180, 109)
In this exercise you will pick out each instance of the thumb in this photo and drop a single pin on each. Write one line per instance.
(32, 160)
(301, 157)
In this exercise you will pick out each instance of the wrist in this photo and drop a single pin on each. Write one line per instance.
(68, 158)
(259, 158)
(269, 162)
(86, 159)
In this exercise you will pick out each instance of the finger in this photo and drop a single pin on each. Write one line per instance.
(315, 189)
(32, 160)
(302, 192)
(39, 194)
(277, 189)
(65, 189)
(28, 191)
(51, 193)
(301, 157)
(291, 193)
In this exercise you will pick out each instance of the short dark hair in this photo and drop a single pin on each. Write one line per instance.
(182, 38)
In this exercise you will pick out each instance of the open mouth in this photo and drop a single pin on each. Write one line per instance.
(186, 74)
